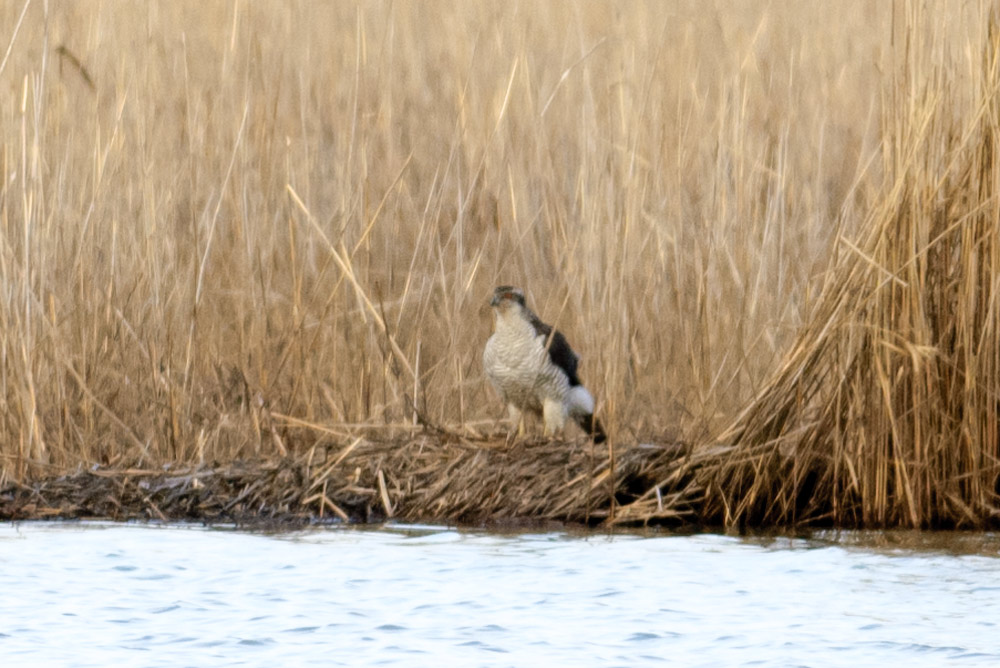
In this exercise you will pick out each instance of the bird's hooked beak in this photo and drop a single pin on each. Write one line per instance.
(495, 301)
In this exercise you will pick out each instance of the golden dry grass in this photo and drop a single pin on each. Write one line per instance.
(230, 230)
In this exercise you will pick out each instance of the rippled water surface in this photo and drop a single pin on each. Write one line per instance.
(105, 594)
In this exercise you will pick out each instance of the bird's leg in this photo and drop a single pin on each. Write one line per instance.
(517, 423)
(554, 414)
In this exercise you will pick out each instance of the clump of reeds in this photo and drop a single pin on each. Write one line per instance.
(885, 411)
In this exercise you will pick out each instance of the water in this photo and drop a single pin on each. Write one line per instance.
(140, 595)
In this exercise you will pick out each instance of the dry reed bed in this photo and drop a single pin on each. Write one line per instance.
(777, 223)
(215, 212)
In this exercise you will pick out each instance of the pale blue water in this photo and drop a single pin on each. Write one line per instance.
(139, 595)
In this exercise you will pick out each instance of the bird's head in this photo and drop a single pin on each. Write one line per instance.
(506, 296)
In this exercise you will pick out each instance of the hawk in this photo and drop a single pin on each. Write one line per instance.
(533, 369)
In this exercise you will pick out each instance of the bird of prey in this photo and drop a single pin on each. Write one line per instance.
(533, 369)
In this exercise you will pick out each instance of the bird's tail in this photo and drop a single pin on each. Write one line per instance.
(592, 426)
(582, 410)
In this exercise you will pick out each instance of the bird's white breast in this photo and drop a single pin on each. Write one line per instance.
(518, 365)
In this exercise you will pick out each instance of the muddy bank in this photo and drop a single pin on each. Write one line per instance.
(420, 478)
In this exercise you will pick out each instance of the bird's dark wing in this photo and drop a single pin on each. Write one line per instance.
(559, 351)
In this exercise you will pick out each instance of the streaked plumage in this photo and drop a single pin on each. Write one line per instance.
(533, 368)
